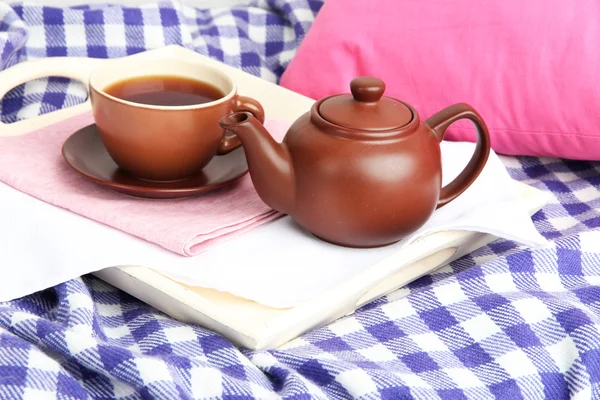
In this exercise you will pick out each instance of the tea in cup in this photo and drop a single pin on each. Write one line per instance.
(159, 119)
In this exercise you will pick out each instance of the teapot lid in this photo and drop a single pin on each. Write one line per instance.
(366, 109)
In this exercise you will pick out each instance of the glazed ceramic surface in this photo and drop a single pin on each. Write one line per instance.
(86, 154)
(358, 170)
(164, 143)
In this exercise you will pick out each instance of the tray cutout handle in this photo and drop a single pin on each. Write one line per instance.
(76, 68)
(408, 274)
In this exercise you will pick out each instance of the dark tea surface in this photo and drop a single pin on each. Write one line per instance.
(164, 91)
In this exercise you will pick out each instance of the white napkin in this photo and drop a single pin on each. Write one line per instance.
(277, 264)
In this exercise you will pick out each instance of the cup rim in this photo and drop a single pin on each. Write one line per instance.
(218, 101)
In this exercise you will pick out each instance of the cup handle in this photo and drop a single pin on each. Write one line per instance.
(439, 123)
(230, 141)
(78, 68)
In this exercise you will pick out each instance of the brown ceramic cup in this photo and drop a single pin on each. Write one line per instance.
(165, 143)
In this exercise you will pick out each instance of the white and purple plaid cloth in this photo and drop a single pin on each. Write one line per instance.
(502, 322)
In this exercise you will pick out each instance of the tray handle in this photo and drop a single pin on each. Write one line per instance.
(78, 68)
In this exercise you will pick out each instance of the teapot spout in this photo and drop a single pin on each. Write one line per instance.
(269, 162)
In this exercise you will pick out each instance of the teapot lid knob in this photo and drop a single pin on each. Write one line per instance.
(366, 109)
(367, 89)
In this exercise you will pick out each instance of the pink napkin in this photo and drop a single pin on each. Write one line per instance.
(33, 164)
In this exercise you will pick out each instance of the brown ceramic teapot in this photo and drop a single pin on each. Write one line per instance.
(358, 170)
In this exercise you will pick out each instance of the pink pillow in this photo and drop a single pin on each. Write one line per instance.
(531, 68)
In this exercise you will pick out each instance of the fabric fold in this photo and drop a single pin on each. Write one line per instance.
(33, 164)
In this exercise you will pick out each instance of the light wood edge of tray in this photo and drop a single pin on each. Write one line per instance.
(256, 326)
(276, 100)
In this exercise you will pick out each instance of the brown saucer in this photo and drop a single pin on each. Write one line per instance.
(85, 153)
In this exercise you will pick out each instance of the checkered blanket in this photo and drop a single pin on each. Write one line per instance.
(502, 322)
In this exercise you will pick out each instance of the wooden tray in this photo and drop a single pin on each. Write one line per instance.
(247, 323)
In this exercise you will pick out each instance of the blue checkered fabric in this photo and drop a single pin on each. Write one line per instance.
(502, 322)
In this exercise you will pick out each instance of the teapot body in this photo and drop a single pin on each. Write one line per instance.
(358, 170)
(362, 190)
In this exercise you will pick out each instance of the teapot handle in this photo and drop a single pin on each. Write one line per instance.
(439, 123)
